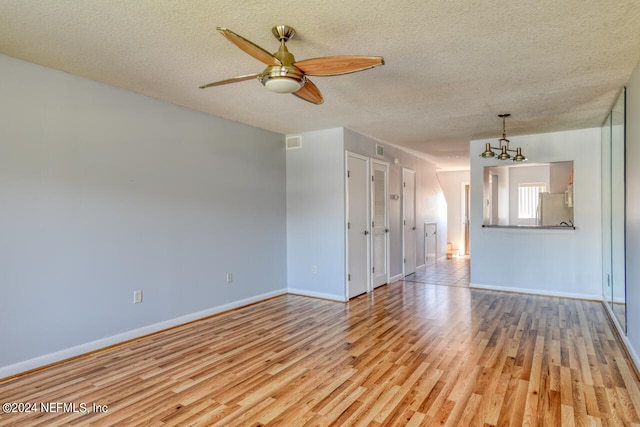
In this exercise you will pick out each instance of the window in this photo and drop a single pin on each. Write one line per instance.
(528, 199)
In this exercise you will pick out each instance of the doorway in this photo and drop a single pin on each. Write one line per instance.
(409, 220)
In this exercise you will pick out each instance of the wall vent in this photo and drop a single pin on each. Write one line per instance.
(379, 150)
(294, 142)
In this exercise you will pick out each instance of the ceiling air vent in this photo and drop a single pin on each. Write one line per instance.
(294, 142)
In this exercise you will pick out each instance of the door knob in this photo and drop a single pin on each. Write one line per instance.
(366, 232)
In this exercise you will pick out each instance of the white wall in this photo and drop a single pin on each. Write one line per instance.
(452, 186)
(633, 216)
(315, 215)
(104, 192)
(562, 262)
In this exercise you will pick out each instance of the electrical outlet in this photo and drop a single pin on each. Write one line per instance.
(137, 297)
(314, 269)
(229, 277)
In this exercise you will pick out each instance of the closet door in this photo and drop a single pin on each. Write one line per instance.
(358, 237)
(379, 223)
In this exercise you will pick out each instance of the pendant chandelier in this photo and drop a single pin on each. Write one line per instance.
(503, 149)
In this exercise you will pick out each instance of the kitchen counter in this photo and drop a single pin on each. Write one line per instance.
(531, 227)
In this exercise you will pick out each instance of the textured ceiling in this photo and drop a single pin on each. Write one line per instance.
(451, 66)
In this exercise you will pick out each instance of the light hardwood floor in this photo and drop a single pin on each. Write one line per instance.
(407, 354)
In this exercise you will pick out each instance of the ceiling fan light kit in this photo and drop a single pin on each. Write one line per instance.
(281, 84)
(503, 147)
(284, 75)
(282, 79)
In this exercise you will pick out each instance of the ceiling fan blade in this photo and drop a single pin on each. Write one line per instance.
(309, 92)
(249, 47)
(336, 65)
(231, 80)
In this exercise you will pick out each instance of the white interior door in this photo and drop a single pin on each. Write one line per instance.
(430, 243)
(379, 223)
(409, 220)
(357, 224)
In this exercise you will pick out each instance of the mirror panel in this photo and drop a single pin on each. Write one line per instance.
(617, 191)
(607, 285)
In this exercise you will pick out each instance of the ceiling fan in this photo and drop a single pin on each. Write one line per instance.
(286, 75)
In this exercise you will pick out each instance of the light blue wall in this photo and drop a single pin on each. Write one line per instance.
(315, 215)
(103, 192)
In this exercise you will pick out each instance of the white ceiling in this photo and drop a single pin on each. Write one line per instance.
(451, 66)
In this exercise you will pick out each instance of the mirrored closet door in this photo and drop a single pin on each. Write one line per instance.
(613, 210)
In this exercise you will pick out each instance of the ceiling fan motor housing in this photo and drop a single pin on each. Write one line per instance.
(283, 32)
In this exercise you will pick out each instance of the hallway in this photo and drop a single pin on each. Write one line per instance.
(448, 272)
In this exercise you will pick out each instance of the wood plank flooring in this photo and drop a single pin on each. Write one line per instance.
(410, 353)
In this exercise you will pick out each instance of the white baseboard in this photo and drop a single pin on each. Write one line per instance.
(537, 292)
(307, 293)
(396, 278)
(58, 356)
(628, 346)
(632, 353)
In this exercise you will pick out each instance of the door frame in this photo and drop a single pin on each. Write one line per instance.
(465, 202)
